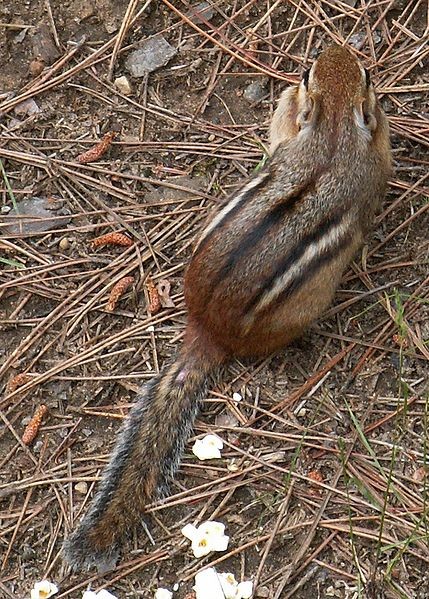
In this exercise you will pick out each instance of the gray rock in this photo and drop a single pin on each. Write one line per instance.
(254, 92)
(357, 40)
(203, 9)
(34, 215)
(152, 55)
(167, 193)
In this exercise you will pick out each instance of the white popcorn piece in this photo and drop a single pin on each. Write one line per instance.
(208, 448)
(236, 397)
(245, 589)
(210, 584)
(207, 585)
(43, 590)
(103, 594)
(233, 589)
(163, 594)
(209, 536)
(229, 585)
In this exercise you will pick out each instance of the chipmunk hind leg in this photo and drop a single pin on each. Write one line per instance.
(144, 460)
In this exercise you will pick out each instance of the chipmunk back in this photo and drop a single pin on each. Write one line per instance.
(263, 269)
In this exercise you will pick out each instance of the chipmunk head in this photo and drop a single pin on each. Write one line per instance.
(336, 86)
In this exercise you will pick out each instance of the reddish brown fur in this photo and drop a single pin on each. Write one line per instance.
(337, 79)
(267, 267)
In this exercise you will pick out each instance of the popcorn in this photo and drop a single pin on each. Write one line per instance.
(43, 590)
(163, 594)
(212, 585)
(208, 448)
(245, 589)
(103, 594)
(233, 589)
(209, 536)
(207, 585)
(229, 585)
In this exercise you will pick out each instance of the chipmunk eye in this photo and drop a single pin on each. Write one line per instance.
(367, 78)
(305, 77)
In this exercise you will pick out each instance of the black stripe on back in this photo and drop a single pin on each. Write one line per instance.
(294, 255)
(260, 230)
(314, 265)
(246, 196)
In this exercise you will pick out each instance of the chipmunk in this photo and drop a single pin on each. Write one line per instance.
(264, 268)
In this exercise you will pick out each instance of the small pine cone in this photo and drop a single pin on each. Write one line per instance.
(113, 238)
(32, 428)
(117, 292)
(154, 298)
(18, 381)
(98, 150)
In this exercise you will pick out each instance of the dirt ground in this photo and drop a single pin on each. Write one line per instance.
(322, 484)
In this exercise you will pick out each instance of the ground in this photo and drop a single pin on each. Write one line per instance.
(322, 483)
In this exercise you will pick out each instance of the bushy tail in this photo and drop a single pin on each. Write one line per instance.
(144, 460)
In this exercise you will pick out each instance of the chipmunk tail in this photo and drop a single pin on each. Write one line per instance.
(146, 456)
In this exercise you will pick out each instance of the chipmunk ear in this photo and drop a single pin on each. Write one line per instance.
(365, 114)
(308, 110)
(368, 112)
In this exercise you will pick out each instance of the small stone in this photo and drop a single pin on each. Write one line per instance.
(232, 465)
(27, 108)
(350, 3)
(43, 43)
(5, 209)
(254, 92)
(199, 12)
(81, 487)
(36, 67)
(236, 397)
(64, 244)
(357, 40)
(37, 447)
(123, 85)
(153, 54)
(28, 553)
(111, 25)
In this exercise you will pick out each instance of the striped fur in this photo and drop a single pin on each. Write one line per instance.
(232, 207)
(269, 222)
(143, 462)
(313, 251)
(265, 267)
